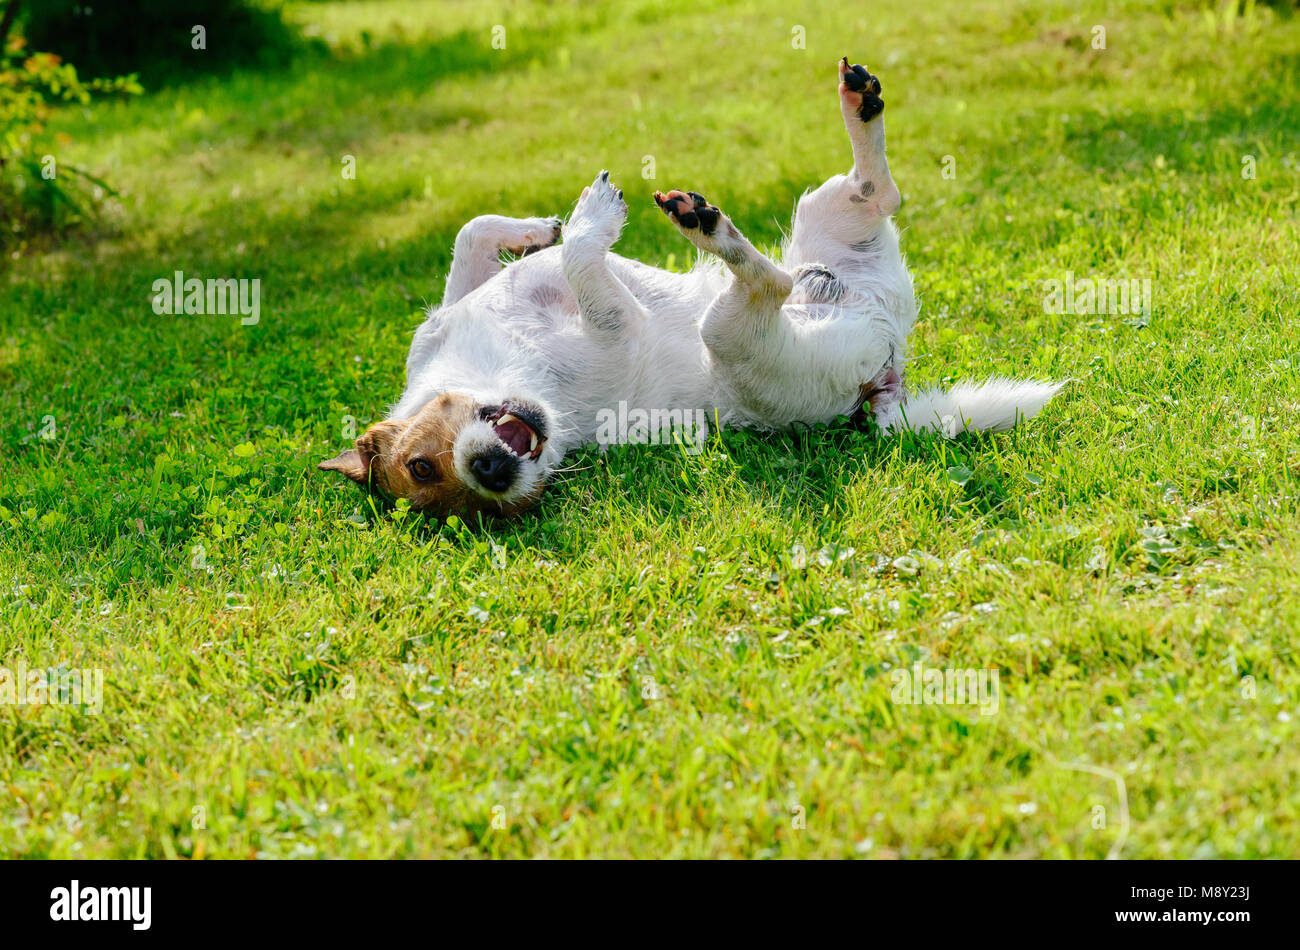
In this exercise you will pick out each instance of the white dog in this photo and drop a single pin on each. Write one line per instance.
(519, 363)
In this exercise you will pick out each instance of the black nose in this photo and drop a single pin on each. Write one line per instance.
(495, 471)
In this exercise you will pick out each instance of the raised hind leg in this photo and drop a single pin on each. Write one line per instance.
(841, 219)
(843, 247)
(777, 362)
(746, 315)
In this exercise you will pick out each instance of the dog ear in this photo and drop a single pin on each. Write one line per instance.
(355, 463)
(351, 463)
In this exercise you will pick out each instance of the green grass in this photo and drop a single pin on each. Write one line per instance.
(674, 656)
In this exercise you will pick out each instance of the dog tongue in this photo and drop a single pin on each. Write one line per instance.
(516, 434)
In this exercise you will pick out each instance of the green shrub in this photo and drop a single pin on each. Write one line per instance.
(37, 191)
(157, 38)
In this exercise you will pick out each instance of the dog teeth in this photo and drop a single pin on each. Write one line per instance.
(503, 419)
(533, 447)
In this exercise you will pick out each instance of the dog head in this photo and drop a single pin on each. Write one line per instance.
(456, 456)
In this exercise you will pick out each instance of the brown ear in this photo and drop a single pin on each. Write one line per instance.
(351, 463)
(355, 463)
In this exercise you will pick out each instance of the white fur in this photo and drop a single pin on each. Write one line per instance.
(991, 406)
(578, 329)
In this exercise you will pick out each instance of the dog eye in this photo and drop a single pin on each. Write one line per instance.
(421, 470)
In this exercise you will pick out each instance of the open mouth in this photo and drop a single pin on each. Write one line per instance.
(520, 430)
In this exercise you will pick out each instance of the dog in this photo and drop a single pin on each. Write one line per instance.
(515, 367)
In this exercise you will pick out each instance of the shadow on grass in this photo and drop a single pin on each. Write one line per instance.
(798, 475)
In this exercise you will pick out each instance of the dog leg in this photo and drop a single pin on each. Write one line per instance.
(863, 112)
(477, 255)
(607, 307)
(745, 316)
(781, 364)
(848, 211)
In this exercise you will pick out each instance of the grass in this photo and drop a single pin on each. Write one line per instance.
(676, 655)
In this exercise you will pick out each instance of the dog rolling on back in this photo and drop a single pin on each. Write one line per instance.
(519, 363)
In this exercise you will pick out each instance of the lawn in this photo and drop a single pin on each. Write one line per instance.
(674, 655)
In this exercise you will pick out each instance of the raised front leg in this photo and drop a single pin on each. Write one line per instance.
(477, 254)
(607, 307)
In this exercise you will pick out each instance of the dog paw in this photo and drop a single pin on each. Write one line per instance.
(860, 91)
(689, 210)
(536, 234)
(601, 211)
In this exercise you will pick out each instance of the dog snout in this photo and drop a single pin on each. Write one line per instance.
(495, 470)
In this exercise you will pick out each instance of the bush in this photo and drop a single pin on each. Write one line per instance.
(37, 191)
(156, 38)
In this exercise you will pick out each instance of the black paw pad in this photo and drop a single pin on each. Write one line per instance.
(857, 79)
(689, 209)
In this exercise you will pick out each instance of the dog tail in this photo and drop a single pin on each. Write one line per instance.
(993, 405)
